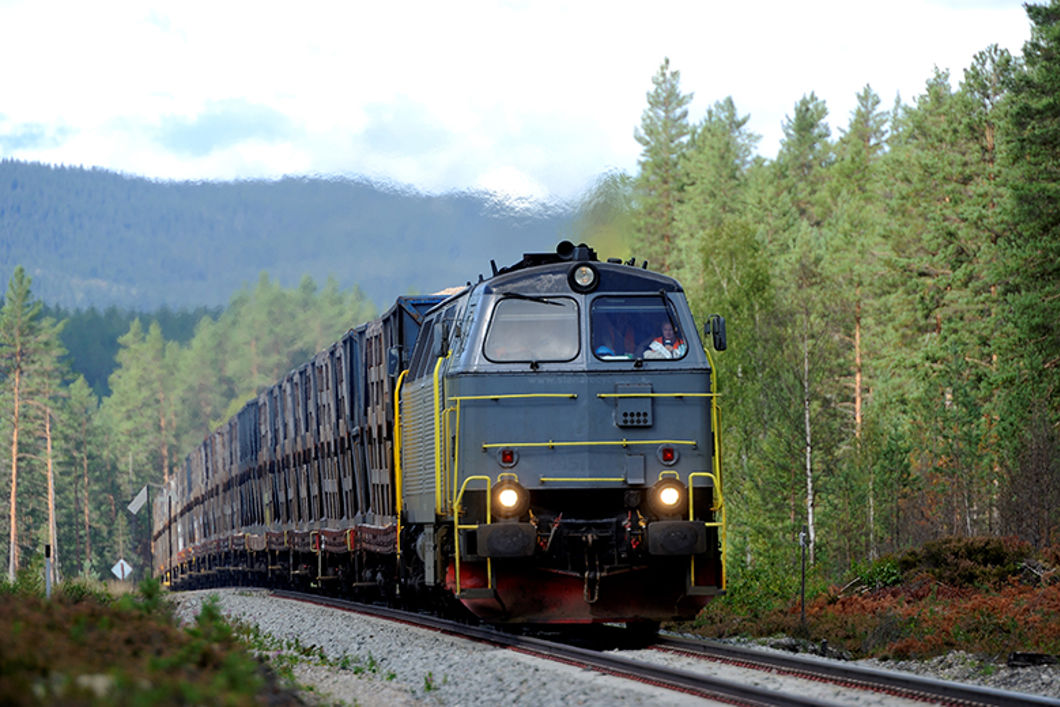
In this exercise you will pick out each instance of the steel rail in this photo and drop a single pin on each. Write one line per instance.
(671, 678)
(905, 684)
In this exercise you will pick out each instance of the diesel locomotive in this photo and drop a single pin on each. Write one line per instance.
(541, 446)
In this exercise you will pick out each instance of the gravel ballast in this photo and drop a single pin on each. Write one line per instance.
(372, 661)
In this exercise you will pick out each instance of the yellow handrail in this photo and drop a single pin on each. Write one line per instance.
(457, 528)
(715, 419)
(397, 456)
(600, 443)
(438, 436)
(513, 396)
(656, 395)
(719, 506)
(500, 396)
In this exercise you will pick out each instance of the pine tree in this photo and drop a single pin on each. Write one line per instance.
(663, 135)
(43, 393)
(1030, 276)
(205, 387)
(800, 248)
(1033, 248)
(946, 188)
(29, 352)
(856, 231)
(82, 442)
(716, 168)
(141, 408)
(804, 154)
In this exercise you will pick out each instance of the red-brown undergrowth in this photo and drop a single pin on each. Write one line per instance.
(982, 595)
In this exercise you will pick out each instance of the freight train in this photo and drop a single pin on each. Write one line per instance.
(541, 447)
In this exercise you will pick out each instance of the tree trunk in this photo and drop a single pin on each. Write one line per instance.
(809, 444)
(162, 428)
(53, 534)
(84, 474)
(858, 419)
(12, 564)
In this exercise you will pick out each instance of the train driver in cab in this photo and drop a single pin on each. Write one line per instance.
(669, 345)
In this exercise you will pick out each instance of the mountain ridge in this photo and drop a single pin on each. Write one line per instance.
(95, 238)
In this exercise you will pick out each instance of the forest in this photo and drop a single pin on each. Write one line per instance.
(892, 291)
(92, 238)
(893, 301)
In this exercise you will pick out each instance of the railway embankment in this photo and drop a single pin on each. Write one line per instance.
(996, 601)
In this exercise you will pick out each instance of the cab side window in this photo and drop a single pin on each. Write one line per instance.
(421, 351)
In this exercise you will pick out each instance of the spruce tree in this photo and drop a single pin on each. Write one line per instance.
(663, 134)
(717, 161)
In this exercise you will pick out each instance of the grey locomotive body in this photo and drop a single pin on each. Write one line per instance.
(551, 456)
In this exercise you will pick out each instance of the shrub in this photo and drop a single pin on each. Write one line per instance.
(884, 572)
(967, 562)
(83, 589)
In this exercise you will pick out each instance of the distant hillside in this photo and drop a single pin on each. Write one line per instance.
(90, 237)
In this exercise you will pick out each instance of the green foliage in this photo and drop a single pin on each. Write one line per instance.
(754, 595)
(83, 589)
(891, 376)
(884, 572)
(663, 135)
(91, 335)
(29, 579)
(967, 562)
(1029, 271)
(85, 647)
(149, 599)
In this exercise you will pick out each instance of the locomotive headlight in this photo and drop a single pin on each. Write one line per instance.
(510, 499)
(667, 498)
(583, 278)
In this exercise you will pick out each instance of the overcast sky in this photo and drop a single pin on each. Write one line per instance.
(524, 97)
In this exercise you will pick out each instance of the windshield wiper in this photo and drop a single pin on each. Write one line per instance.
(529, 298)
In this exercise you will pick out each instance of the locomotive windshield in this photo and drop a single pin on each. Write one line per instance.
(635, 327)
(533, 329)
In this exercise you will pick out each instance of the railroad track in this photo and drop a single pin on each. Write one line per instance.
(895, 683)
(701, 682)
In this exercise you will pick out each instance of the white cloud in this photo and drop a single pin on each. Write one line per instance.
(538, 96)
